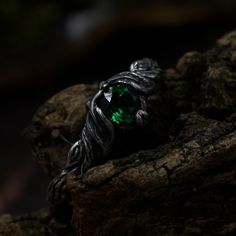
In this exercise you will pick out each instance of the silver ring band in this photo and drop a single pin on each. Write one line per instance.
(97, 136)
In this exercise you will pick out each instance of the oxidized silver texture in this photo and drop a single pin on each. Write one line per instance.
(97, 137)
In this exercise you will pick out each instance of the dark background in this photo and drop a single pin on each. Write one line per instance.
(47, 46)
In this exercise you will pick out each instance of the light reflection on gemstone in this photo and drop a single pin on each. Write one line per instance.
(120, 104)
(108, 94)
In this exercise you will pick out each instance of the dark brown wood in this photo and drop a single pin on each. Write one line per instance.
(176, 176)
(180, 188)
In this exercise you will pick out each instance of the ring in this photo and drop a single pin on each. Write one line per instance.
(120, 103)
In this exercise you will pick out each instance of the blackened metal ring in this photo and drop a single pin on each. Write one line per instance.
(121, 102)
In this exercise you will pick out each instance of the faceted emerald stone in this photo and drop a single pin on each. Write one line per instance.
(120, 104)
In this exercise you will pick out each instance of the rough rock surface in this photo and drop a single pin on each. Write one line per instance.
(175, 177)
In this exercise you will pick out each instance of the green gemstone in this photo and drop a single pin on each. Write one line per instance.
(120, 104)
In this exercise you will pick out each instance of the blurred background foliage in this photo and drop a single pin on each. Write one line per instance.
(48, 45)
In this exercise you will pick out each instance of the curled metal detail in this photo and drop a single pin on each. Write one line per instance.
(97, 136)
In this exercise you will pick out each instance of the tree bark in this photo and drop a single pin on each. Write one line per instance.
(174, 177)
